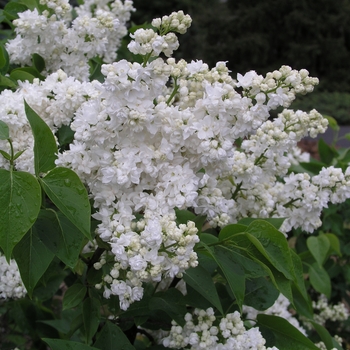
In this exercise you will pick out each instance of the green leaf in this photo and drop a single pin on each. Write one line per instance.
(183, 216)
(60, 325)
(20, 200)
(33, 258)
(200, 280)
(327, 339)
(272, 245)
(91, 317)
(50, 281)
(4, 60)
(5, 155)
(275, 222)
(26, 73)
(208, 238)
(266, 267)
(334, 243)
(74, 296)
(65, 135)
(320, 280)
(11, 9)
(64, 240)
(327, 153)
(283, 284)
(260, 293)
(252, 269)
(7, 83)
(112, 337)
(285, 336)
(302, 305)
(68, 193)
(313, 168)
(45, 148)
(299, 274)
(58, 344)
(233, 272)
(18, 154)
(22, 75)
(4, 131)
(231, 230)
(172, 302)
(332, 122)
(319, 247)
(38, 62)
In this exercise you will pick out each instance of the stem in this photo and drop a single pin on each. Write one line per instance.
(12, 154)
(176, 89)
(146, 59)
(95, 258)
(262, 156)
(238, 188)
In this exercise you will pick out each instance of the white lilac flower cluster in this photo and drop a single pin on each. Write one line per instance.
(148, 250)
(67, 43)
(324, 311)
(11, 285)
(279, 308)
(56, 99)
(152, 43)
(203, 331)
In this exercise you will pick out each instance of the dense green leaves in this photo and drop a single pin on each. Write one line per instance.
(67, 192)
(20, 200)
(58, 344)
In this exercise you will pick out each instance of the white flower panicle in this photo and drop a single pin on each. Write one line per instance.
(69, 44)
(148, 250)
(56, 99)
(11, 285)
(324, 312)
(204, 331)
(163, 135)
(153, 43)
